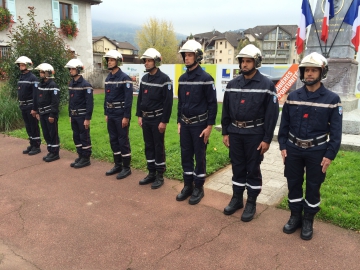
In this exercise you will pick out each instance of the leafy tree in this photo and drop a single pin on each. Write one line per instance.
(161, 36)
(191, 36)
(42, 44)
(243, 42)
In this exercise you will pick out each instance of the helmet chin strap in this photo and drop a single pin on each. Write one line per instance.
(192, 65)
(312, 82)
(249, 72)
(150, 69)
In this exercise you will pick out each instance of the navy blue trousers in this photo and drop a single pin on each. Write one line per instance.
(245, 160)
(32, 127)
(297, 163)
(119, 137)
(191, 144)
(81, 136)
(154, 145)
(51, 134)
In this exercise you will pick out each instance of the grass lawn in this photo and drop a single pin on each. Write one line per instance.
(340, 192)
(217, 153)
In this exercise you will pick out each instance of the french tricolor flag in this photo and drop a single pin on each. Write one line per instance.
(305, 20)
(352, 18)
(328, 15)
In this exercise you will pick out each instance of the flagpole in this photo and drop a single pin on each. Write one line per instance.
(317, 34)
(340, 27)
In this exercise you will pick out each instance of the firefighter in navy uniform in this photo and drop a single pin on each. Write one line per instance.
(249, 115)
(81, 104)
(197, 108)
(310, 115)
(48, 100)
(117, 107)
(154, 110)
(27, 88)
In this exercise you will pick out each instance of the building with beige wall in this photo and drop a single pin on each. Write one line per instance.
(102, 45)
(77, 10)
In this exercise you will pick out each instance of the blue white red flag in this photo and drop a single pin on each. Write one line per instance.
(352, 18)
(328, 15)
(305, 20)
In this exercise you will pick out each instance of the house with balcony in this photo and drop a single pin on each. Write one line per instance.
(277, 42)
(76, 10)
(102, 44)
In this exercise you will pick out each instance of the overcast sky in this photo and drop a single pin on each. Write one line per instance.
(198, 16)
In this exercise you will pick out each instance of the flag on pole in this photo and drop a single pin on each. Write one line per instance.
(352, 18)
(328, 15)
(305, 20)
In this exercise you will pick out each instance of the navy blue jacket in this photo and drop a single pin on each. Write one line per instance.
(249, 100)
(27, 89)
(81, 97)
(310, 117)
(156, 92)
(197, 95)
(118, 88)
(48, 98)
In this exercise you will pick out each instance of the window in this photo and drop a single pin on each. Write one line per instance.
(225, 44)
(217, 44)
(220, 51)
(65, 11)
(229, 60)
(220, 60)
(4, 50)
(220, 42)
(230, 51)
(62, 11)
(216, 61)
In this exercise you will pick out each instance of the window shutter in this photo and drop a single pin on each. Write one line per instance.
(76, 15)
(56, 13)
(10, 4)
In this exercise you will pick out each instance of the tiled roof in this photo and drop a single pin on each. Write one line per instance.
(261, 30)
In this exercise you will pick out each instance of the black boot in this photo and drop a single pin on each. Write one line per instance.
(197, 195)
(117, 167)
(236, 203)
(52, 157)
(307, 226)
(34, 150)
(126, 171)
(159, 181)
(150, 178)
(250, 209)
(48, 154)
(27, 150)
(83, 162)
(72, 164)
(185, 192)
(293, 223)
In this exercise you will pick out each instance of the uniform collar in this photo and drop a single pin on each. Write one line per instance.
(194, 72)
(78, 81)
(319, 92)
(256, 77)
(117, 73)
(157, 74)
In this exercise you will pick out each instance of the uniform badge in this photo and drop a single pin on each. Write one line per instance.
(128, 85)
(340, 110)
(242, 101)
(145, 91)
(108, 91)
(213, 85)
(55, 92)
(275, 99)
(89, 91)
(187, 93)
(19, 88)
(36, 85)
(72, 95)
(169, 87)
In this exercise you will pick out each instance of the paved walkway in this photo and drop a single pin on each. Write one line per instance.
(272, 169)
(60, 218)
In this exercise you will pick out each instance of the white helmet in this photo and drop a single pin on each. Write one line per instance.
(25, 60)
(250, 51)
(152, 53)
(192, 46)
(75, 63)
(45, 67)
(314, 60)
(115, 55)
